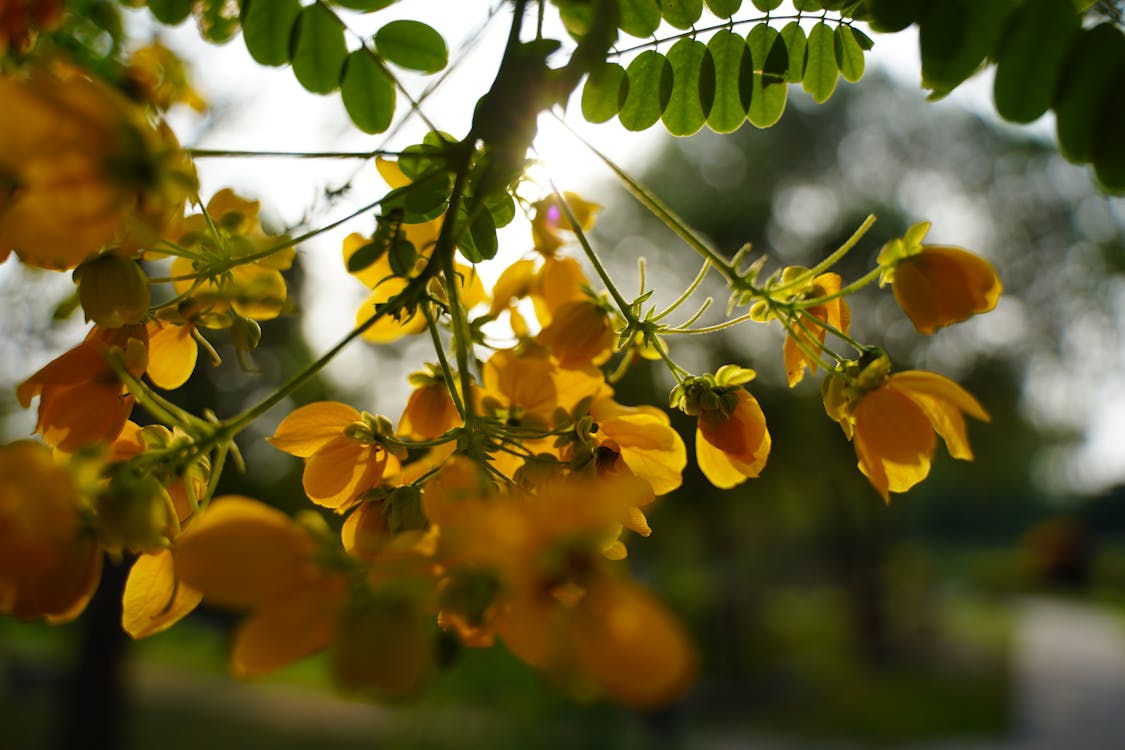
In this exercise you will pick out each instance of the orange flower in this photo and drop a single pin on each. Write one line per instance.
(580, 334)
(834, 312)
(342, 450)
(21, 19)
(937, 286)
(732, 442)
(244, 554)
(50, 561)
(430, 410)
(550, 219)
(88, 168)
(892, 419)
(82, 400)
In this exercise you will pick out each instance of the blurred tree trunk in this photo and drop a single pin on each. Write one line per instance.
(92, 699)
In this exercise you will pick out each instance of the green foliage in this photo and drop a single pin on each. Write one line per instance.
(639, 18)
(724, 8)
(693, 87)
(681, 13)
(1097, 57)
(821, 71)
(849, 53)
(768, 89)
(956, 36)
(1030, 57)
(730, 56)
(604, 92)
(171, 12)
(319, 50)
(650, 88)
(412, 45)
(365, 6)
(267, 26)
(368, 92)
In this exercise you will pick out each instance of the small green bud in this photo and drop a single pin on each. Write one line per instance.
(114, 291)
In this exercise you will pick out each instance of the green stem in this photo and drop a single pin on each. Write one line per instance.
(210, 153)
(830, 261)
(687, 292)
(439, 348)
(666, 215)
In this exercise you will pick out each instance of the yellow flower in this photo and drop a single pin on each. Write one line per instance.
(155, 598)
(642, 438)
(244, 554)
(580, 334)
(88, 169)
(732, 444)
(834, 312)
(81, 398)
(254, 289)
(172, 353)
(160, 78)
(937, 286)
(893, 420)
(550, 218)
(342, 452)
(50, 561)
(430, 410)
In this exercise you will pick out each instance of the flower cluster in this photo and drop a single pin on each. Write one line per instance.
(499, 507)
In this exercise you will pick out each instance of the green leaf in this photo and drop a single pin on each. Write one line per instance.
(892, 15)
(849, 54)
(364, 5)
(766, 5)
(604, 92)
(639, 18)
(1096, 60)
(729, 55)
(170, 12)
(412, 45)
(650, 87)
(366, 256)
(807, 6)
(217, 20)
(502, 208)
(1109, 147)
(368, 92)
(319, 51)
(681, 13)
(955, 37)
(724, 8)
(267, 26)
(767, 102)
(820, 63)
(1030, 57)
(479, 241)
(693, 87)
(865, 42)
(793, 35)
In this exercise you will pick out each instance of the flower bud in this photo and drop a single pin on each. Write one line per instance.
(113, 291)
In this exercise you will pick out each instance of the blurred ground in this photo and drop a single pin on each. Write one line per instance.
(1068, 689)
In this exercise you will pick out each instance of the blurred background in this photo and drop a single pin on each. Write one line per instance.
(984, 609)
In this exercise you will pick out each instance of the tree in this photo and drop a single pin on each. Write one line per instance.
(497, 507)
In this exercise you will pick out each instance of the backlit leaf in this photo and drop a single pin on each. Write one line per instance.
(693, 87)
(793, 35)
(604, 92)
(319, 52)
(267, 26)
(639, 18)
(728, 52)
(368, 92)
(724, 8)
(820, 63)
(170, 12)
(412, 45)
(681, 13)
(849, 55)
(767, 102)
(650, 87)
(955, 36)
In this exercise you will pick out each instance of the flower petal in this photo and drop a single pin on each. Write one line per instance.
(308, 428)
(154, 600)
